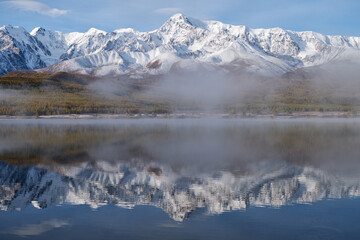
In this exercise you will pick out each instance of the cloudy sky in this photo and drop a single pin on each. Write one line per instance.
(339, 17)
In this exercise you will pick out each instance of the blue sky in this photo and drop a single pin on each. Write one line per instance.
(340, 17)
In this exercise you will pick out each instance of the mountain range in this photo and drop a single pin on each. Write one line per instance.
(180, 43)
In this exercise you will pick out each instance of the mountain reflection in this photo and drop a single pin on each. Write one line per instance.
(180, 167)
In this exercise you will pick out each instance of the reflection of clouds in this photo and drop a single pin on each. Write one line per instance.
(170, 225)
(37, 229)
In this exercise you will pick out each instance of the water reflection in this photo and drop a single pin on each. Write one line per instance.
(183, 167)
(37, 229)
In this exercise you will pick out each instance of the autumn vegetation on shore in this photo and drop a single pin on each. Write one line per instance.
(27, 93)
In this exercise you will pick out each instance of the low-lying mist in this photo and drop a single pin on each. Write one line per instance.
(193, 146)
(339, 80)
(331, 87)
(5, 94)
(210, 89)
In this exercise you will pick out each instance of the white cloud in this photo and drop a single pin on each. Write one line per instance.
(33, 6)
(168, 10)
(37, 229)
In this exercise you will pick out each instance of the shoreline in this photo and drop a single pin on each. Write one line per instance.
(296, 115)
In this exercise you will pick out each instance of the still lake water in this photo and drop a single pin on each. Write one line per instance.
(180, 179)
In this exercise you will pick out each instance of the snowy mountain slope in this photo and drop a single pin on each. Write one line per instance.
(19, 50)
(180, 39)
(177, 193)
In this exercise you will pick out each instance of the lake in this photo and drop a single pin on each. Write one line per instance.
(180, 179)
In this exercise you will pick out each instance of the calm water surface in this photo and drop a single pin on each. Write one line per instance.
(180, 179)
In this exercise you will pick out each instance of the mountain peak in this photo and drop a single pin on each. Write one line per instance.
(124, 30)
(6, 26)
(181, 20)
(10, 28)
(178, 17)
(37, 30)
(3, 27)
(95, 31)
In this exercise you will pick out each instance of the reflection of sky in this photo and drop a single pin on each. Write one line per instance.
(324, 16)
(337, 219)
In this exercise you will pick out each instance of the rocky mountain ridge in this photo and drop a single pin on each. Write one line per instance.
(181, 41)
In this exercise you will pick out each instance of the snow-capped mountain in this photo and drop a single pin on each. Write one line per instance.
(177, 193)
(182, 42)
